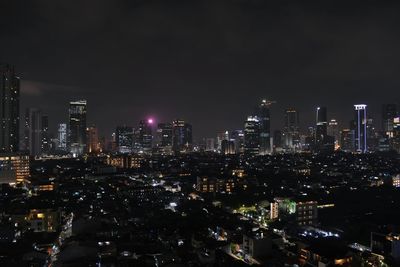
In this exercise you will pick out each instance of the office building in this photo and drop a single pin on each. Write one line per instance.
(165, 137)
(93, 142)
(360, 127)
(33, 131)
(9, 109)
(238, 138)
(252, 136)
(347, 140)
(182, 136)
(62, 136)
(45, 136)
(263, 114)
(14, 168)
(145, 135)
(77, 127)
(291, 132)
(124, 139)
(389, 112)
(333, 131)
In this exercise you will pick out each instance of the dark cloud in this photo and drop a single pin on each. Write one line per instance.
(208, 61)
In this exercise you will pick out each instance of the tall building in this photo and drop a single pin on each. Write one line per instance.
(45, 135)
(210, 144)
(389, 112)
(33, 131)
(221, 136)
(182, 136)
(291, 129)
(252, 136)
(263, 114)
(361, 128)
(238, 138)
(321, 126)
(62, 136)
(77, 127)
(165, 137)
(347, 140)
(124, 139)
(333, 130)
(93, 142)
(14, 168)
(145, 137)
(9, 109)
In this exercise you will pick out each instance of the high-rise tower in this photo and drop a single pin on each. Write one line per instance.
(9, 109)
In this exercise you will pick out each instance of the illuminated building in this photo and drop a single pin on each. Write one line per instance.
(238, 138)
(165, 137)
(182, 136)
(145, 138)
(221, 136)
(395, 141)
(62, 136)
(396, 181)
(124, 161)
(291, 132)
(9, 109)
(263, 114)
(77, 127)
(252, 136)
(45, 138)
(333, 130)
(124, 139)
(39, 220)
(228, 147)
(307, 213)
(14, 168)
(274, 211)
(361, 128)
(321, 126)
(92, 138)
(389, 112)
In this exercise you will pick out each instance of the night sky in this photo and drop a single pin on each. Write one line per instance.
(208, 62)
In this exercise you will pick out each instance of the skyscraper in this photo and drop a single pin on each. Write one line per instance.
(62, 136)
(263, 114)
(321, 126)
(9, 109)
(389, 112)
(124, 139)
(182, 136)
(77, 127)
(145, 137)
(333, 130)
(291, 129)
(165, 137)
(33, 131)
(92, 138)
(361, 127)
(45, 135)
(252, 136)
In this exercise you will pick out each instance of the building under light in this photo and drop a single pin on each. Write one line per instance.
(77, 127)
(14, 168)
(361, 128)
(252, 136)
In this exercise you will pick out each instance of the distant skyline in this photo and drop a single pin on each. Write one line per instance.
(208, 62)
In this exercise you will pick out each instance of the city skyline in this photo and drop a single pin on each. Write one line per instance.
(139, 55)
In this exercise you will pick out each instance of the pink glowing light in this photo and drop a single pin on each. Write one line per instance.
(150, 121)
